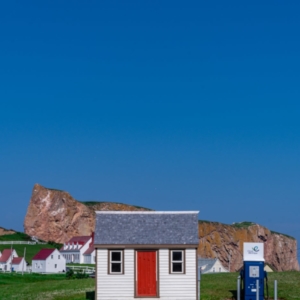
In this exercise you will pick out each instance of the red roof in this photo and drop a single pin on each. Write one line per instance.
(89, 250)
(6, 254)
(16, 260)
(79, 239)
(43, 254)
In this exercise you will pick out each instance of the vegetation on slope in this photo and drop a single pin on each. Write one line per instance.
(275, 232)
(18, 236)
(31, 250)
(244, 224)
(113, 205)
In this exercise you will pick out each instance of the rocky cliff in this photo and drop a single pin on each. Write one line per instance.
(226, 243)
(54, 215)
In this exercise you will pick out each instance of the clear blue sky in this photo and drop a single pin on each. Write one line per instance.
(169, 105)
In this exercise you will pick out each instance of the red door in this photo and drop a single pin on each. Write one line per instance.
(146, 274)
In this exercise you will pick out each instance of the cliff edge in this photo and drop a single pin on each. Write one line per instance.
(226, 243)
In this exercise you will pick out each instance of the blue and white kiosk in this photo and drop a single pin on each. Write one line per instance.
(253, 271)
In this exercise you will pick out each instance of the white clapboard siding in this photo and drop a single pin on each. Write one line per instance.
(38, 266)
(115, 286)
(177, 286)
(171, 286)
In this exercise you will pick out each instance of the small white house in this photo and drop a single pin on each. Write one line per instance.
(210, 265)
(19, 264)
(48, 261)
(6, 259)
(146, 254)
(79, 249)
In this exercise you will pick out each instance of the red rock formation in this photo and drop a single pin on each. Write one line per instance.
(53, 215)
(226, 242)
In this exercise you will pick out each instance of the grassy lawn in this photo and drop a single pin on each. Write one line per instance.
(55, 287)
(36, 286)
(223, 286)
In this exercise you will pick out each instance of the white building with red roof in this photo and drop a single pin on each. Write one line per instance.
(6, 258)
(18, 264)
(80, 250)
(48, 261)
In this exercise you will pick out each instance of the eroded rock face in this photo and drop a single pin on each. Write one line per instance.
(226, 241)
(53, 215)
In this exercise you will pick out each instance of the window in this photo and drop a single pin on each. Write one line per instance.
(116, 265)
(177, 261)
(55, 266)
(213, 269)
(219, 269)
(58, 256)
(51, 256)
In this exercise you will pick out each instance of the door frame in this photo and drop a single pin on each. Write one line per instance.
(157, 272)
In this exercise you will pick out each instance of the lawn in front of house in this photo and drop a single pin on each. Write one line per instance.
(218, 286)
(221, 286)
(38, 286)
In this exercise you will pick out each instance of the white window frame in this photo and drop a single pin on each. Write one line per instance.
(110, 262)
(182, 261)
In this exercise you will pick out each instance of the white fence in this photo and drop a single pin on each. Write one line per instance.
(21, 243)
(27, 269)
(86, 269)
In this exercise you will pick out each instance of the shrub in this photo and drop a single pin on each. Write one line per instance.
(70, 274)
(80, 274)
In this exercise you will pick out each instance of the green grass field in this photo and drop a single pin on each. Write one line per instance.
(223, 285)
(46, 287)
(55, 287)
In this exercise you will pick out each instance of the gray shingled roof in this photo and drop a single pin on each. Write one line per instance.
(146, 228)
(206, 264)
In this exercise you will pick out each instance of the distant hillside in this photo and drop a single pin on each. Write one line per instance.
(31, 250)
(4, 231)
(15, 236)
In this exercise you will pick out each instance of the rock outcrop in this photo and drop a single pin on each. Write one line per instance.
(4, 231)
(54, 215)
(226, 243)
